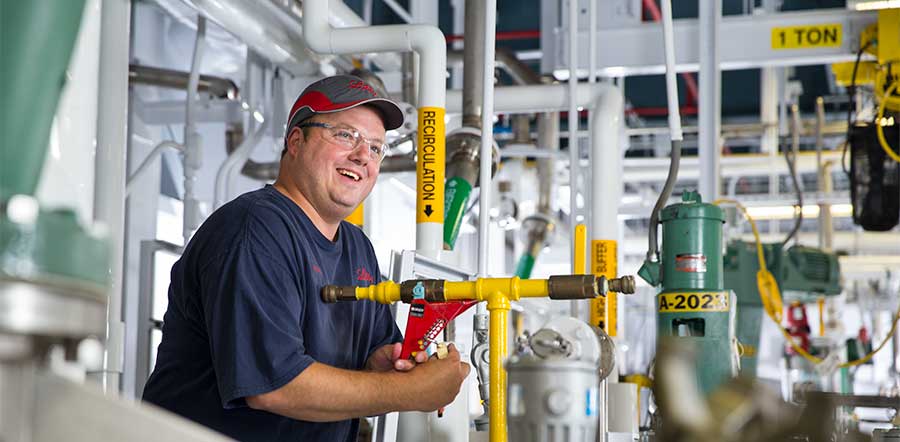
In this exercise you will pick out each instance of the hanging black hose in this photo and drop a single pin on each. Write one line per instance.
(791, 159)
(798, 209)
(851, 94)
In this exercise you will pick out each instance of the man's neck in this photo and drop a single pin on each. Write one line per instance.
(328, 229)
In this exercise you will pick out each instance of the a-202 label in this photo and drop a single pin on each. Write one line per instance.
(693, 302)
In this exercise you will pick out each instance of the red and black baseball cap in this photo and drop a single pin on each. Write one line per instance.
(342, 92)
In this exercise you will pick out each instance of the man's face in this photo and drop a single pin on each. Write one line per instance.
(333, 179)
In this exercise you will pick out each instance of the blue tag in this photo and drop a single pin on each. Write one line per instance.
(419, 291)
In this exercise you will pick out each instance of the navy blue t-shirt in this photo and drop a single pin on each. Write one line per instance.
(245, 317)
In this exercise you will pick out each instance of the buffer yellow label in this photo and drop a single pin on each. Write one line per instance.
(604, 311)
(430, 170)
(693, 302)
(826, 35)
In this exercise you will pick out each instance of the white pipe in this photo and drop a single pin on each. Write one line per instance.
(487, 136)
(264, 27)
(192, 141)
(534, 98)
(592, 42)
(237, 158)
(109, 185)
(427, 41)
(157, 151)
(574, 163)
(710, 121)
(606, 164)
(671, 85)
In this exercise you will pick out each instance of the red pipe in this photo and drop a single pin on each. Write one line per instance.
(661, 111)
(689, 82)
(505, 35)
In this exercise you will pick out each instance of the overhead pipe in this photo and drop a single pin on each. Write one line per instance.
(192, 140)
(152, 76)
(274, 30)
(429, 43)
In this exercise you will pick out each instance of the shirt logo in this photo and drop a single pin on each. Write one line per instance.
(355, 84)
(363, 275)
(317, 269)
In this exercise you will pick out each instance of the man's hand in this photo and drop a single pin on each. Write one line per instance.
(442, 378)
(388, 357)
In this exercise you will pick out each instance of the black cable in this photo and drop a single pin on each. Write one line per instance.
(653, 252)
(798, 209)
(851, 93)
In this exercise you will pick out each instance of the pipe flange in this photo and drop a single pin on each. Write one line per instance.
(464, 146)
(539, 226)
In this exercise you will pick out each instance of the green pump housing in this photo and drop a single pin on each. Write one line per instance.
(693, 303)
(803, 274)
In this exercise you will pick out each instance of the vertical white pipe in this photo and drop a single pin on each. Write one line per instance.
(487, 136)
(192, 153)
(710, 121)
(671, 85)
(426, 40)
(109, 187)
(606, 185)
(592, 42)
(606, 163)
(574, 164)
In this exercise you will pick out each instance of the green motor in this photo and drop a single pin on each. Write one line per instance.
(693, 303)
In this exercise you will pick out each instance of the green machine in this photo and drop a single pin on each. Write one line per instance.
(804, 274)
(693, 304)
(53, 270)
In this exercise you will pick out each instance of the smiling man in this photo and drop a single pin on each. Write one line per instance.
(249, 349)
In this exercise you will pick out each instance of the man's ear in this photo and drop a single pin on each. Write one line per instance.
(295, 139)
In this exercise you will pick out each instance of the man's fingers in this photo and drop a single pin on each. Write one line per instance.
(395, 351)
(421, 357)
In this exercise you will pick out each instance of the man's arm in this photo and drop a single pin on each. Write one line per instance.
(323, 393)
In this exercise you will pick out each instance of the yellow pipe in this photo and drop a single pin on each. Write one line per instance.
(498, 292)
(387, 292)
(498, 305)
(579, 242)
(821, 303)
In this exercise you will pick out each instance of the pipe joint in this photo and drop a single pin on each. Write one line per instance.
(334, 293)
(431, 290)
(497, 300)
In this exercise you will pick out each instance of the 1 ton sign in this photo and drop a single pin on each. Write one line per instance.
(810, 36)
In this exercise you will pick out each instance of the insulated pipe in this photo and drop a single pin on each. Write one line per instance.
(464, 144)
(606, 185)
(192, 140)
(110, 171)
(237, 158)
(429, 43)
(216, 86)
(474, 58)
(574, 155)
(267, 29)
(534, 98)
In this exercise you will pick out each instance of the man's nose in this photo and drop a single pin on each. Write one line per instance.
(360, 154)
